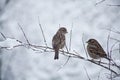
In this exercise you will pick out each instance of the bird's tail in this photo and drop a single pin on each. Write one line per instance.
(56, 55)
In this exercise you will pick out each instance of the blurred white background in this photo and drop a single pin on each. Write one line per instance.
(24, 64)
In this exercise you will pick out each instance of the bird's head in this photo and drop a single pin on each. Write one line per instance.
(91, 41)
(63, 30)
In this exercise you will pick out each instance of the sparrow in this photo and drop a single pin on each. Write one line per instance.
(95, 50)
(58, 41)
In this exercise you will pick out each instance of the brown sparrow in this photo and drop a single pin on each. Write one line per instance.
(58, 41)
(95, 50)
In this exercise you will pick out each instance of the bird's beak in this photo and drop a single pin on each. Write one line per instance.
(86, 41)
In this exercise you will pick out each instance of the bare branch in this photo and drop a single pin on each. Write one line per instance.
(99, 2)
(112, 47)
(84, 46)
(111, 76)
(111, 57)
(70, 38)
(114, 5)
(23, 33)
(3, 35)
(104, 67)
(109, 53)
(87, 73)
(119, 48)
(113, 31)
(64, 64)
(98, 76)
(115, 39)
(108, 39)
(42, 31)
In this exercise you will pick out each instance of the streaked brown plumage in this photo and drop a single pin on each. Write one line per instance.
(95, 50)
(58, 41)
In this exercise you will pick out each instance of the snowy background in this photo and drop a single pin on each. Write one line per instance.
(24, 64)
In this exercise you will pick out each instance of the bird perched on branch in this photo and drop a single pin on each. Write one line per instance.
(95, 50)
(58, 41)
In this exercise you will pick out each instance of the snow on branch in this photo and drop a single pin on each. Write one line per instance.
(10, 43)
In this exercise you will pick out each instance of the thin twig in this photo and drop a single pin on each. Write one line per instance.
(64, 64)
(66, 60)
(3, 35)
(115, 5)
(84, 45)
(119, 48)
(98, 76)
(113, 31)
(116, 64)
(114, 76)
(104, 67)
(109, 54)
(112, 47)
(24, 34)
(108, 39)
(87, 73)
(70, 42)
(115, 39)
(111, 76)
(42, 32)
(99, 2)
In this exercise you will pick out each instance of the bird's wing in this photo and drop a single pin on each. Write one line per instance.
(98, 50)
(57, 40)
(101, 50)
